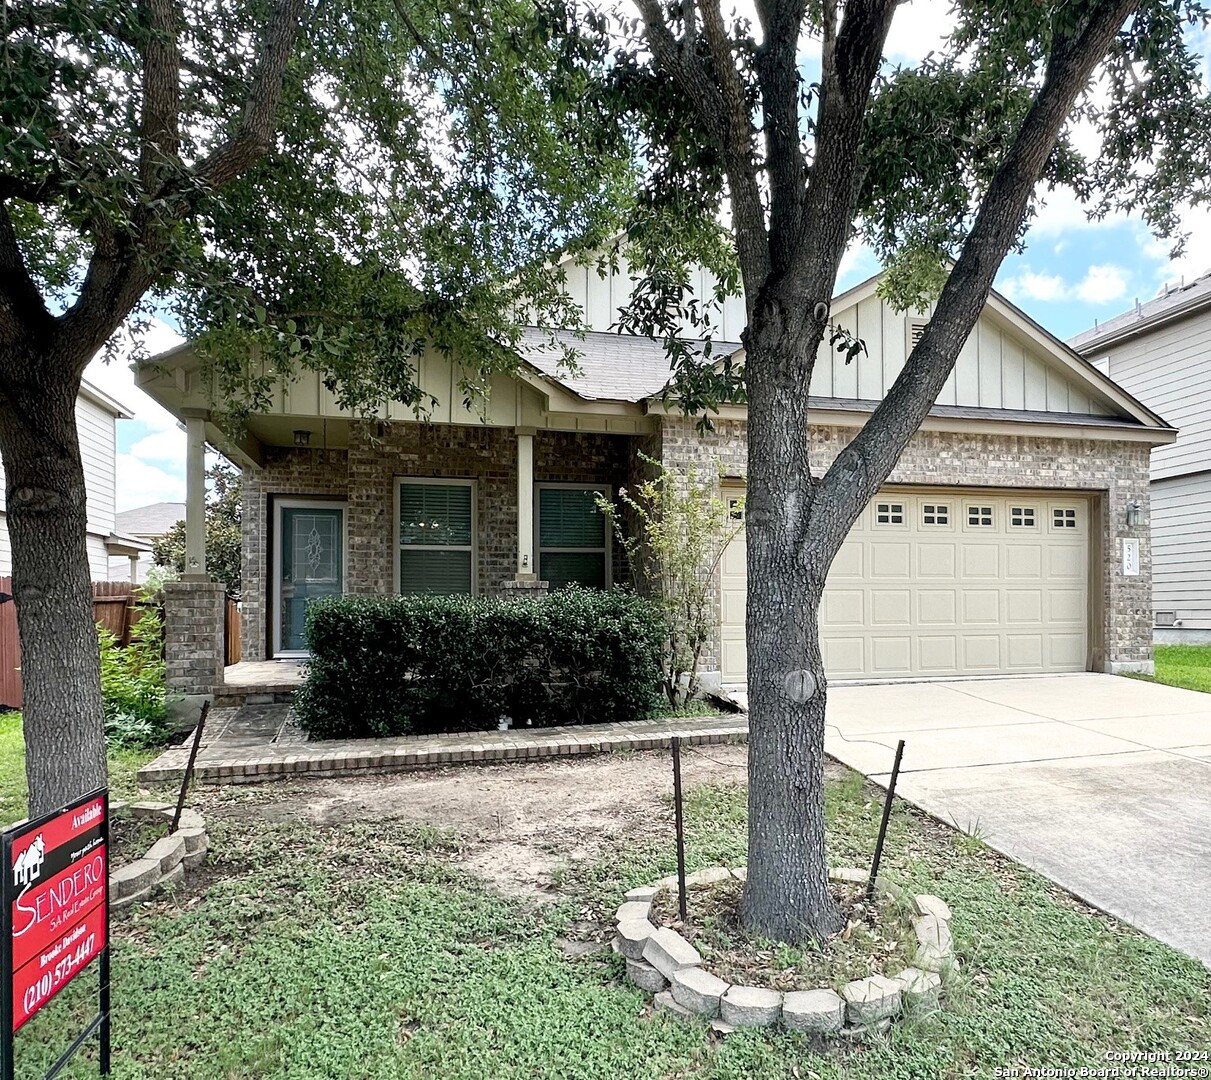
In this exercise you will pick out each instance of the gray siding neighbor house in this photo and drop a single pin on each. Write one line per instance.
(1160, 352)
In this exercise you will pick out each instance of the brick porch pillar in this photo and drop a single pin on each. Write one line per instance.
(194, 626)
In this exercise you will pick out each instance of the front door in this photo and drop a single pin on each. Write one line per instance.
(310, 564)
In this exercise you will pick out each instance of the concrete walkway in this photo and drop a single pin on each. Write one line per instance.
(1101, 783)
(255, 743)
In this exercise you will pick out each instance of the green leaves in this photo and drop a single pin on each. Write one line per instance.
(416, 664)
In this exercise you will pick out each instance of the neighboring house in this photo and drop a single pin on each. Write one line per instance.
(97, 415)
(1002, 543)
(148, 524)
(1160, 351)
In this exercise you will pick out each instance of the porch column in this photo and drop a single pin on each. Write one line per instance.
(526, 570)
(195, 498)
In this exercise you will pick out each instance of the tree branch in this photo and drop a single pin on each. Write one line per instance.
(22, 310)
(850, 66)
(255, 134)
(862, 467)
(778, 77)
(125, 265)
(729, 128)
(159, 134)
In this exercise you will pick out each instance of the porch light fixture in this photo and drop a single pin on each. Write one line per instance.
(302, 437)
(1135, 514)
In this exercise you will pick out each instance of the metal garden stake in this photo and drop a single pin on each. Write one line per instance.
(891, 794)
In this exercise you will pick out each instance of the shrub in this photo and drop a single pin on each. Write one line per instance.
(674, 527)
(133, 698)
(416, 664)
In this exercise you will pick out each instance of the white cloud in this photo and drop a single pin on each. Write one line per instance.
(167, 444)
(1195, 260)
(117, 380)
(139, 483)
(917, 29)
(1029, 285)
(1102, 283)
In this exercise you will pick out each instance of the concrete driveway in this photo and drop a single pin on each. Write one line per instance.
(1101, 783)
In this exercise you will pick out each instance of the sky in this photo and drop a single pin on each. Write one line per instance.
(1072, 273)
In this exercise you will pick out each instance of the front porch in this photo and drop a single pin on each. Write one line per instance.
(400, 508)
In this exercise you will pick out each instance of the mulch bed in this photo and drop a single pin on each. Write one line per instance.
(877, 939)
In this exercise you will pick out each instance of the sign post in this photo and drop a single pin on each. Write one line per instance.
(55, 919)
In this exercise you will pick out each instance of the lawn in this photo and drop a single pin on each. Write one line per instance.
(123, 765)
(1184, 665)
(330, 940)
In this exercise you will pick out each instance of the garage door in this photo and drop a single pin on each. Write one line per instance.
(946, 582)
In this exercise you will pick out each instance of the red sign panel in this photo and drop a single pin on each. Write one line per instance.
(57, 897)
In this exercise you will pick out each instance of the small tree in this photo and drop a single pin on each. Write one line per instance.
(680, 530)
(224, 540)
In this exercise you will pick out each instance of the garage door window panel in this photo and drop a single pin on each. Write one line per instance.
(935, 515)
(980, 516)
(1022, 516)
(891, 515)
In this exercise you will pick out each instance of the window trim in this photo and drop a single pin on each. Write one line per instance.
(905, 512)
(947, 506)
(435, 481)
(607, 490)
(990, 506)
(1022, 506)
(1064, 530)
(301, 502)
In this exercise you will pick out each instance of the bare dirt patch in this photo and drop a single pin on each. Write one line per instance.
(517, 823)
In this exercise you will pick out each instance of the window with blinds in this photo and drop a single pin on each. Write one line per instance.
(573, 537)
(436, 536)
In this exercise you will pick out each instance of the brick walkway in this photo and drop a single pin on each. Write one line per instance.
(254, 743)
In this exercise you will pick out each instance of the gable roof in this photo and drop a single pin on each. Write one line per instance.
(609, 367)
(1067, 359)
(1172, 304)
(99, 397)
(154, 519)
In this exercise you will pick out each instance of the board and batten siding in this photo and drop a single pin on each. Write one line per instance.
(997, 368)
(98, 449)
(1181, 548)
(602, 297)
(1169, 370)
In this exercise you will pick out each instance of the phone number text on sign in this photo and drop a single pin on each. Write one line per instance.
(57, 912)
(41, 979)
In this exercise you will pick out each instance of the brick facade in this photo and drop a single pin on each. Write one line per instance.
(194, 626)
(363, 476)
(1115, 472)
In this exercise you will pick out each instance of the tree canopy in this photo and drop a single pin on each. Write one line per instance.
(300, 184)
(795, 131)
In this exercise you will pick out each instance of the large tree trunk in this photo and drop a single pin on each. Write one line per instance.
(786, 896)
(48, 524)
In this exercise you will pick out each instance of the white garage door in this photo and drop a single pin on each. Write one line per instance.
(946, 582)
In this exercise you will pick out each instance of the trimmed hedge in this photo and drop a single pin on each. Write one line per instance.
(399, 665)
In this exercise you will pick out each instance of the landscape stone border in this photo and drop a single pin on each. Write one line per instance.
(166, 860)
(663, 963)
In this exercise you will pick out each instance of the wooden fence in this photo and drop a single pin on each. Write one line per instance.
(231, 635)
(113, 607)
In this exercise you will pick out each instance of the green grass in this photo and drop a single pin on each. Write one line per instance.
(1188, 666)
(123, 767)
(363, 952)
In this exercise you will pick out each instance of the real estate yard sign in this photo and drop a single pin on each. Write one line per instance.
(55, 899)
